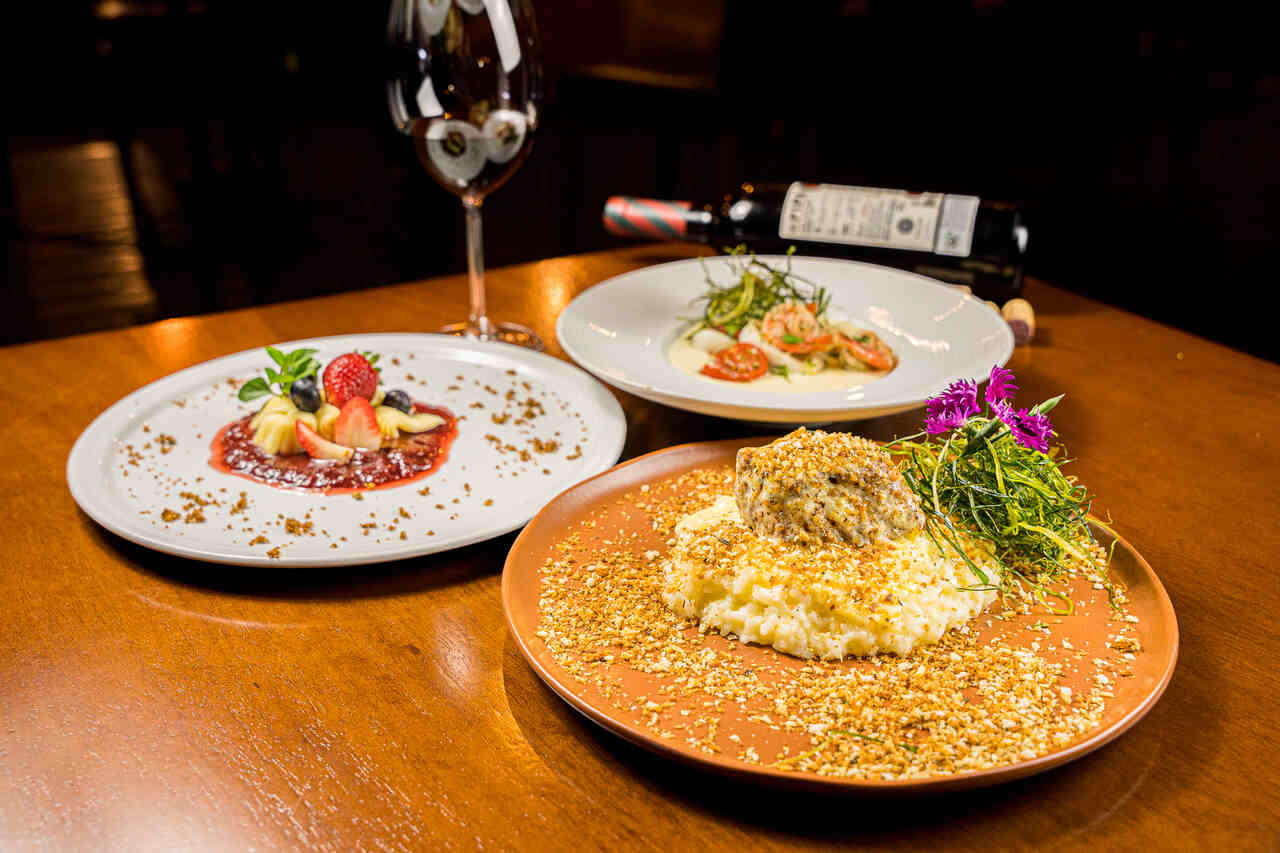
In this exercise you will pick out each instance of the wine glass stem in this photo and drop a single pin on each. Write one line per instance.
(479, 320)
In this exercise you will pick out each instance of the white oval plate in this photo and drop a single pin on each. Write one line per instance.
(121, 476)
(620, 331)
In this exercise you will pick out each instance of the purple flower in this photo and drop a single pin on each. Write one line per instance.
(960, 396)
(1029, 429)
(943, 420)
(1000, 388)
(952, 407)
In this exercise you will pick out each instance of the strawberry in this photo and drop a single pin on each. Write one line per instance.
(347, 376)
(319, 447)
(357, 425)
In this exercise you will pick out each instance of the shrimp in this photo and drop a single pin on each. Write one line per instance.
(867, 349)
(789, 318)
(793, 327)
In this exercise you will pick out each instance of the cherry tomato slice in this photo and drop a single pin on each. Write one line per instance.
(874, 358)
(738, 363)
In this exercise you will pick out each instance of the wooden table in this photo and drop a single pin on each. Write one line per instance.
(147, 702)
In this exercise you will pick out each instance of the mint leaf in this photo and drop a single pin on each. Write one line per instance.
(298, 357)
(293, 366)
(253, 389)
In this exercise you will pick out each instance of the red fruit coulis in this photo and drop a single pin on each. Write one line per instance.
(409, 458)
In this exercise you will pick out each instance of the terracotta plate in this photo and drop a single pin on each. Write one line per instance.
(1088, 630)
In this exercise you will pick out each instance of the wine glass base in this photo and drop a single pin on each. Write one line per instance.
(507, 333)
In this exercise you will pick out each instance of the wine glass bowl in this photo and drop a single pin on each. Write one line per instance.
(464, 81)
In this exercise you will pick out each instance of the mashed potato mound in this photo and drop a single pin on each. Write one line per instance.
(828, 602)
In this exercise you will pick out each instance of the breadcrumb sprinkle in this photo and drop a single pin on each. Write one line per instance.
(1001, 689)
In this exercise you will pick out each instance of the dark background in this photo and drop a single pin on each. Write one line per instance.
(168, 158)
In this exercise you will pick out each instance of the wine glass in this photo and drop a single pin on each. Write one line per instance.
(465, 82)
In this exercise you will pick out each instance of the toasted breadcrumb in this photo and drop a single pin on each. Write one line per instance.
(980, 698)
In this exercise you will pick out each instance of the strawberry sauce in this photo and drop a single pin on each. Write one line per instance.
(409, 458)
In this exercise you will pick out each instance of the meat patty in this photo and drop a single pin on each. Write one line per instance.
(813, 487)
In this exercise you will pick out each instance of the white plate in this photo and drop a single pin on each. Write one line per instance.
(192, 405)
(620, 330)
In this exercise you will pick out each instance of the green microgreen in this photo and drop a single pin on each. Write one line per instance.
(908, 747)
(984, 483)
(291, 366)
(757, 286)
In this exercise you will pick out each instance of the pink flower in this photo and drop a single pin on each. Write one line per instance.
(952, 407)
(1030, 429)
(1000, 388)
(944, 420)
(961, 396)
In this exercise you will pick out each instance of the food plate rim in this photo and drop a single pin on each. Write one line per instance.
(803, 780)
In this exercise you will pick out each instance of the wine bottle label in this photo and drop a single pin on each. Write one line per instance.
(955, 225)
(869, 216)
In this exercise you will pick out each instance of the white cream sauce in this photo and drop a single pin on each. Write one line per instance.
(690, 359)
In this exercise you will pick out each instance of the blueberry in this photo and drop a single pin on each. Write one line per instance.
(305, 394)
(398, 400)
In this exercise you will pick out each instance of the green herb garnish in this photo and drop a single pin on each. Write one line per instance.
(908, 747)
(1016, 499)
(757, 287)
(995, 479)
(292, 367)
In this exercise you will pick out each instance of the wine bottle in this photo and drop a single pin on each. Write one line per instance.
(960, 239)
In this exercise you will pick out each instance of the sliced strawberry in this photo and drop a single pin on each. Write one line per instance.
(357, 425)
(348, 376)
(319, 447)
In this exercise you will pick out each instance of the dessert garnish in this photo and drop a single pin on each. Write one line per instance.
(343, 433)
(296, 365)
(351, 375)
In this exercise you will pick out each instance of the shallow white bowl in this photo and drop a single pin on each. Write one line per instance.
(620, 331)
